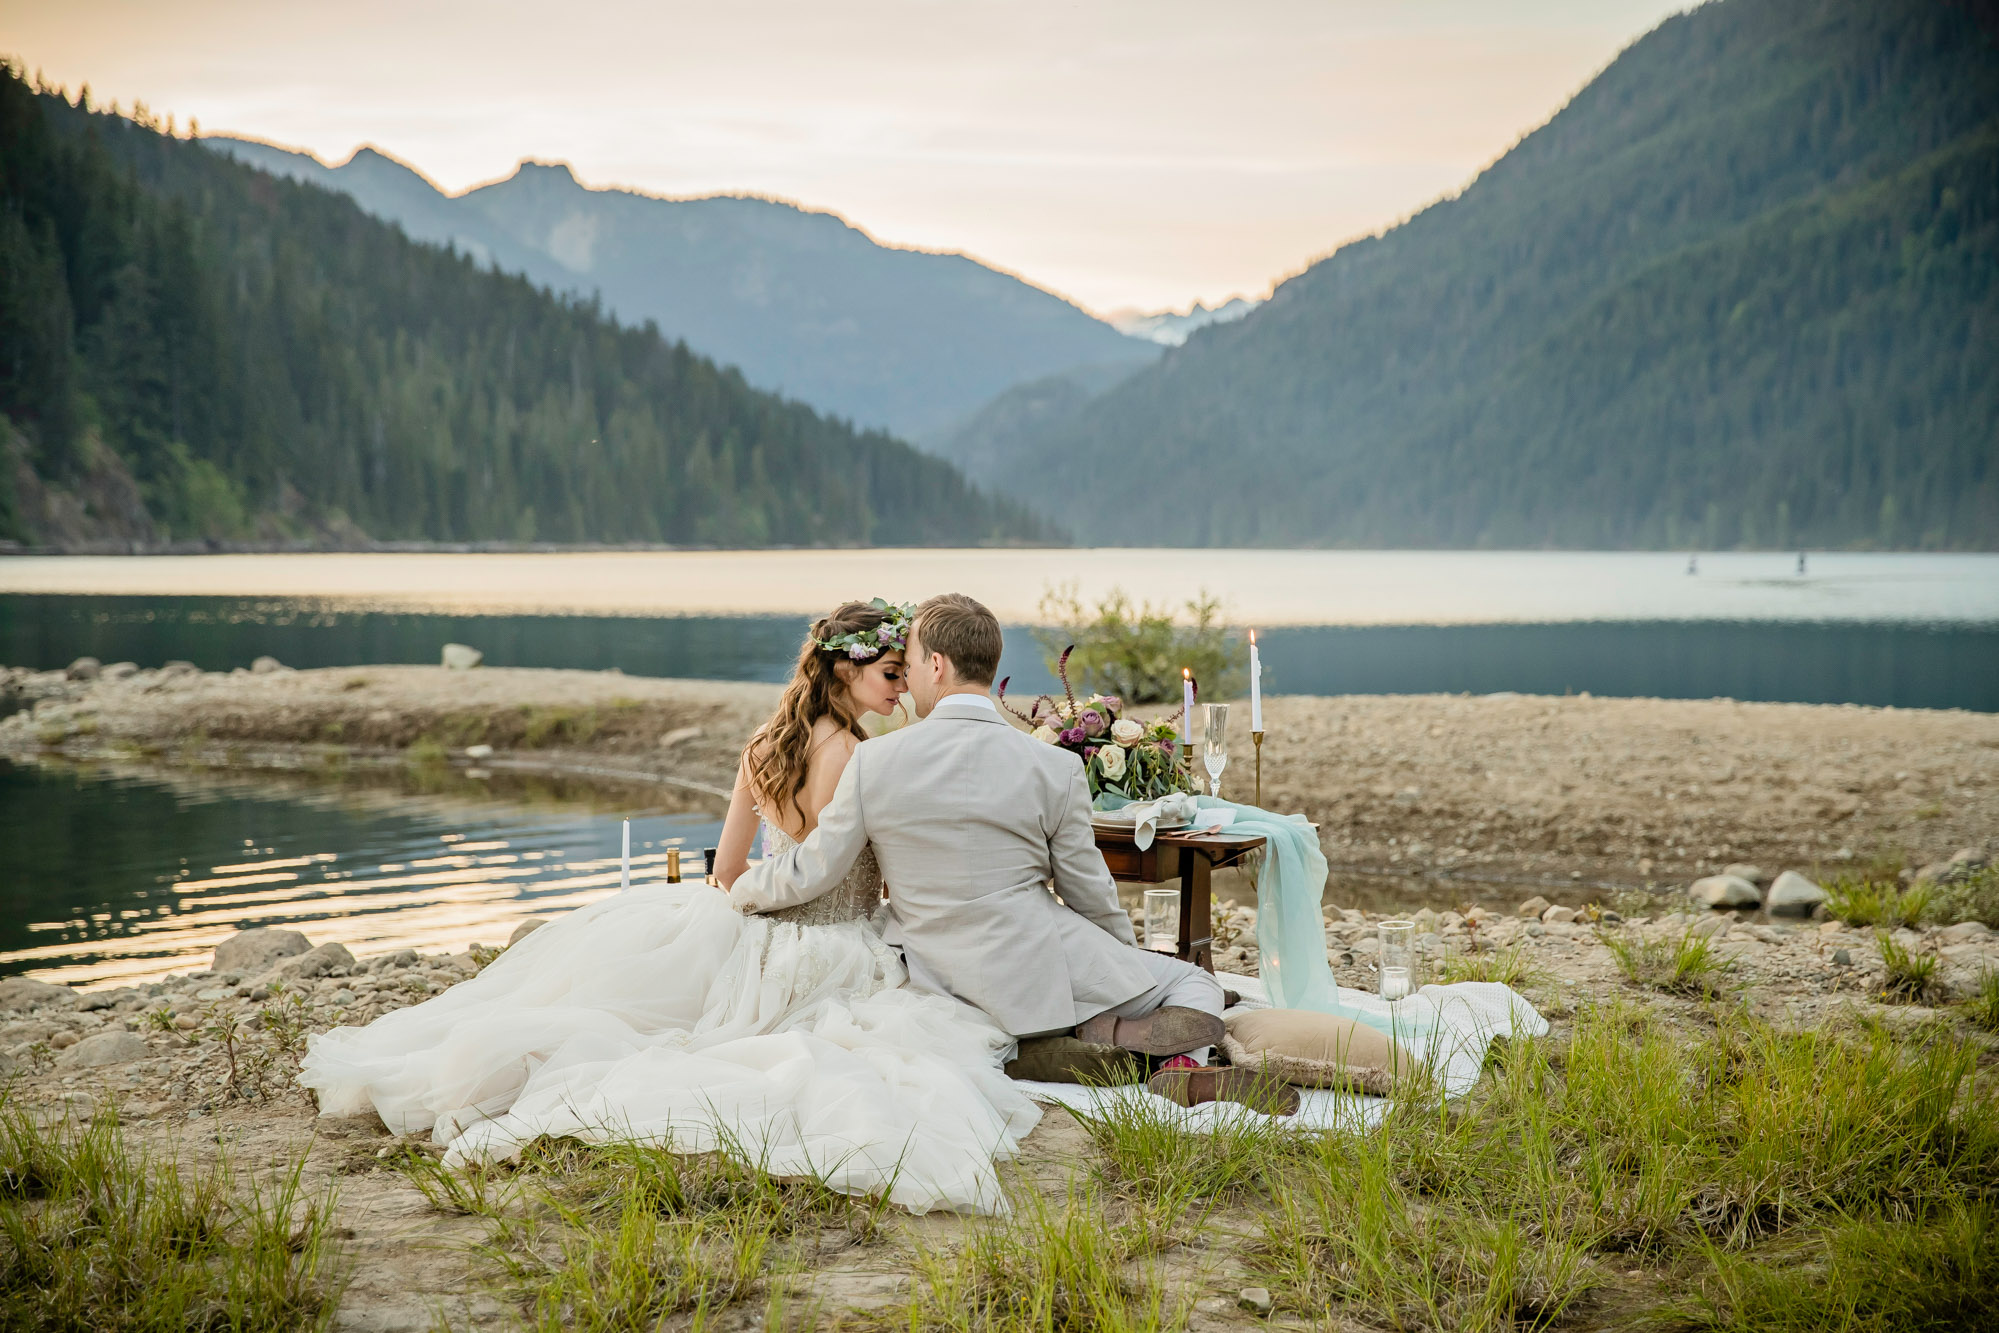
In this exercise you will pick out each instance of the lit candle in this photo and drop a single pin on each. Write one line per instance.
(625, 864)
(1255, 686)
(1186, 708)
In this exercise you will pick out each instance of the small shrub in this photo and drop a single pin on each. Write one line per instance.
(427, 752)
(1911, 975)
(1136, 651)
(1508, 967)
(1983, 1006)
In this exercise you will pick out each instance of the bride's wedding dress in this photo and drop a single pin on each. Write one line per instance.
(663, 1015)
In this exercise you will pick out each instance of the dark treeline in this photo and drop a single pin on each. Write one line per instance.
(253, 358)
(1742, 290)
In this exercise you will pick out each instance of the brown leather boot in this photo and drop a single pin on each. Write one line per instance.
(1063, 1059)
(1226, 1083)
(1169, 1030)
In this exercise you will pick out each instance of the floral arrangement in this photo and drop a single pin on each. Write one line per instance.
(865, 645)
(1121, 755)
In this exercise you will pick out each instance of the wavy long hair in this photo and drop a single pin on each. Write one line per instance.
(780, 754)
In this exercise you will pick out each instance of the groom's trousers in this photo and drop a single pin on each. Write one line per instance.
(1177, 983)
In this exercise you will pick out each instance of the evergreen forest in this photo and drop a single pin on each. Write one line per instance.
(192, 351)
(1742, 291)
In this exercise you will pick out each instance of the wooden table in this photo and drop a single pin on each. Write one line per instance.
(1189, 858)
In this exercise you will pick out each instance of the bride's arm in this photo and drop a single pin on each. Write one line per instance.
(739, 831)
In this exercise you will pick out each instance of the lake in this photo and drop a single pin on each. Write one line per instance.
(1913, 631)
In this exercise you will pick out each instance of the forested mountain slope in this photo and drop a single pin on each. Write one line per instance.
(196, 349)
(800, 301)
(1743, 289)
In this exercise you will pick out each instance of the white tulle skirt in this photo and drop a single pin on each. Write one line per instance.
(661, 1015)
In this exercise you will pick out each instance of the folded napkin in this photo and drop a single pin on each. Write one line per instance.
(1144, 818)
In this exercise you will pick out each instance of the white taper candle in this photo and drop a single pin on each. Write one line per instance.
(1255, 686)
(1186, 707)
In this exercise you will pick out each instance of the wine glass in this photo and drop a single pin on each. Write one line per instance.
(1215, 746)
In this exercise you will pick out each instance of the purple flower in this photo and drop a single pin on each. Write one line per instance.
(860, 651)
(1113, 703)
(1093, 722)
(884, 634)
(1073, 736)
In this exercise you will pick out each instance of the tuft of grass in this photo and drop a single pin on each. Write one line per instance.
(1865, 900)
(476, 1191)
(1510, 967)
(1690, 966)
(1964, 895)
(555, 725)
(1935, 1271)
(427, 752)
(1160, 1170)
(1912, 977)
(1051, 1265)
(1983, 1006)
(95, 1235)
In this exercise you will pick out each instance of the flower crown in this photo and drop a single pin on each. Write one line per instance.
(891, 634)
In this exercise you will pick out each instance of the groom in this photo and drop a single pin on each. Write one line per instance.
(973, 821)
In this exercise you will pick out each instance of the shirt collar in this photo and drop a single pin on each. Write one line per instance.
(984, 701)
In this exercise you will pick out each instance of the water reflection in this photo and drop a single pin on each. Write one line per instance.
(126, 874)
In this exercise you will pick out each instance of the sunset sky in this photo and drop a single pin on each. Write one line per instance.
(1124, 154)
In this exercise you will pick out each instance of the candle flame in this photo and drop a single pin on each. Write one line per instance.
(1252, 638)
(1186, 673)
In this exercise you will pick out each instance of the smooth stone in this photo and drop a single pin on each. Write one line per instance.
(265, 665)
(1842, 957)
(316, 962)
(525, 929)
(84, 668)
(1724, 891)
(1534, 906)
(1794, 893)
(213, 993)
(461, 657)
(179, 667)
(1558, 916)
(1744, 870)
(1964, 932)
(27, 993)
(119, 671)
(1256, 1300)
(63, 1040)
(103, 1048)
(478, 752)
(1714, 927)
(343, 996)
(254, 951)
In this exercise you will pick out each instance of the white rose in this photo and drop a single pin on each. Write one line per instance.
(1111, 760)
(1046, 734)
(1126, 732)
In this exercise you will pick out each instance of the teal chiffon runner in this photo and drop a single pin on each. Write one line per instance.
(1290, 933)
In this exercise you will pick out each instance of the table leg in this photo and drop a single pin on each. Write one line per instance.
(1197, 939)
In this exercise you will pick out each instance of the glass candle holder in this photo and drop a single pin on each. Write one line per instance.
(1398, 959)
(1162, 919)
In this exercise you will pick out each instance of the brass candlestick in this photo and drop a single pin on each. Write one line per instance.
(1257, 736)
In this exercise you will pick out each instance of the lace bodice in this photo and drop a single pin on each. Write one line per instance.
(855, 898)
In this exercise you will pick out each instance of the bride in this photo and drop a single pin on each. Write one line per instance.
(662, 1015)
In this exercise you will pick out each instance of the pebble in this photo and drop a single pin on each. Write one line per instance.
(1558, 916)
(212, 994)
(1842, 958)
(343, 996)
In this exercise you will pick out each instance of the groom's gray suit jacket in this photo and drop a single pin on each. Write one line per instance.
(971, 820)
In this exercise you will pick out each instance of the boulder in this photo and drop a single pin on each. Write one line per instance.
(84, 668)
(1534, 906)
(256, 951)
(104, 1048)
(1724, 891)
(525, 929)
(1793, 893)
(461, 657)
(1965, 932)
(26, 993)
(264, 666)
(315, 963)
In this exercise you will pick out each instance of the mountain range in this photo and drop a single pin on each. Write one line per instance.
(196, 350)
(802, 302)
(1742, 290)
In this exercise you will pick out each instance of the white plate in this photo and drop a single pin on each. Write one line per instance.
(1126, 825)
